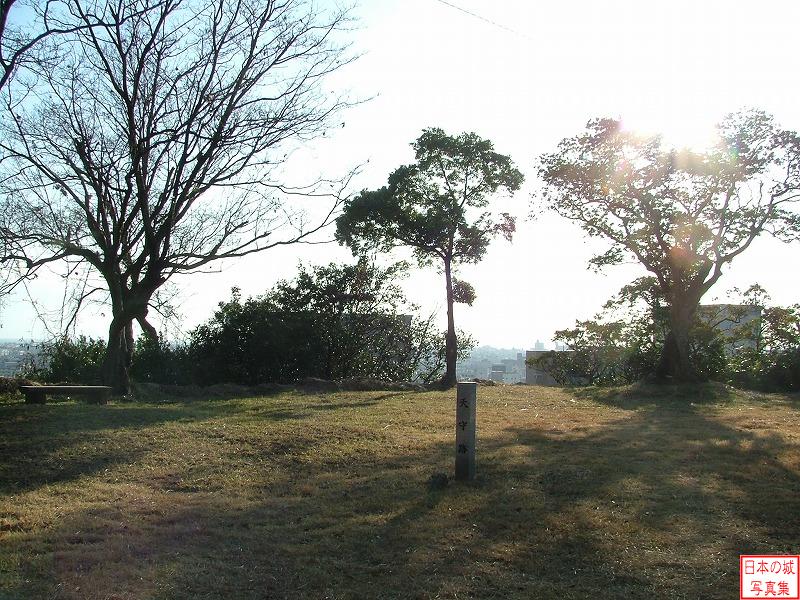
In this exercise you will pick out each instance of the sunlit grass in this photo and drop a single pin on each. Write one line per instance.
(632, 492)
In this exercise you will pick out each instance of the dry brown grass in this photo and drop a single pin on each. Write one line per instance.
(637, 492)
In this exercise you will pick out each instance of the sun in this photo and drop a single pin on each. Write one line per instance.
(678, 129)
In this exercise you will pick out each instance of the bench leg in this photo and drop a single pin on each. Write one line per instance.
(99, 397)
(35, 397)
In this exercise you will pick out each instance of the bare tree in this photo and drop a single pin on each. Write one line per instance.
(150, 150)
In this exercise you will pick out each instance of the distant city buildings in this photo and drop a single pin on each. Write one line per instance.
(507, 366)
(498, 373)
(14, 354)
(498, 364)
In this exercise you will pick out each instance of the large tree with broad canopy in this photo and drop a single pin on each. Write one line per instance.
(683, 214)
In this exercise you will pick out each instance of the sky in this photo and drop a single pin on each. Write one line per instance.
(524, 75)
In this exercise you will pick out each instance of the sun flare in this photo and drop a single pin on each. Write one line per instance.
(695, 132)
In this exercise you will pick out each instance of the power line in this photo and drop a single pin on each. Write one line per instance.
(484, 19)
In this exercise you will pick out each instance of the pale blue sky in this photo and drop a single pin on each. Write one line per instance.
(675, 67)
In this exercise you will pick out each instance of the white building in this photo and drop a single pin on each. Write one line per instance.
(535, 374)
(739, 324)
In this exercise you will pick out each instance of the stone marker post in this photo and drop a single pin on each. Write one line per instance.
(466, 399)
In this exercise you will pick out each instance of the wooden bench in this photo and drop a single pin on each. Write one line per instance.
(37, 394)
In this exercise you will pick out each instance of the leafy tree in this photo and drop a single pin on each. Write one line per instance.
(645, 316)
(436, 206)
(148, 151)
(684, 215)
(430, 356)
(599, 353)
(248, 342)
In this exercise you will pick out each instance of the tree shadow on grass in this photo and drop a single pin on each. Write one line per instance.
(57, 443)
(687, 482)
(337, 403)
(167, 393)
(658, 502)
(648, 394)
(645, 394)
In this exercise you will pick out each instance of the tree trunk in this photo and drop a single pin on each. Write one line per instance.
(674, 363)
(450, 341)
(115, 364)
(119, 349)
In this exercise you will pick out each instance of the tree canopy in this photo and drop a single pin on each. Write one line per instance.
(683, 214)
(437, 207)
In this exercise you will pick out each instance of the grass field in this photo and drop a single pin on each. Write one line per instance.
(638, 493)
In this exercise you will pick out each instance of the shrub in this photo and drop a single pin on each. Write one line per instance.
(331, 322)
(8, 385)
(67, 360)
(157, 361)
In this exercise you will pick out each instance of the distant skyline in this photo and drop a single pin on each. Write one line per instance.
(524, 75)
